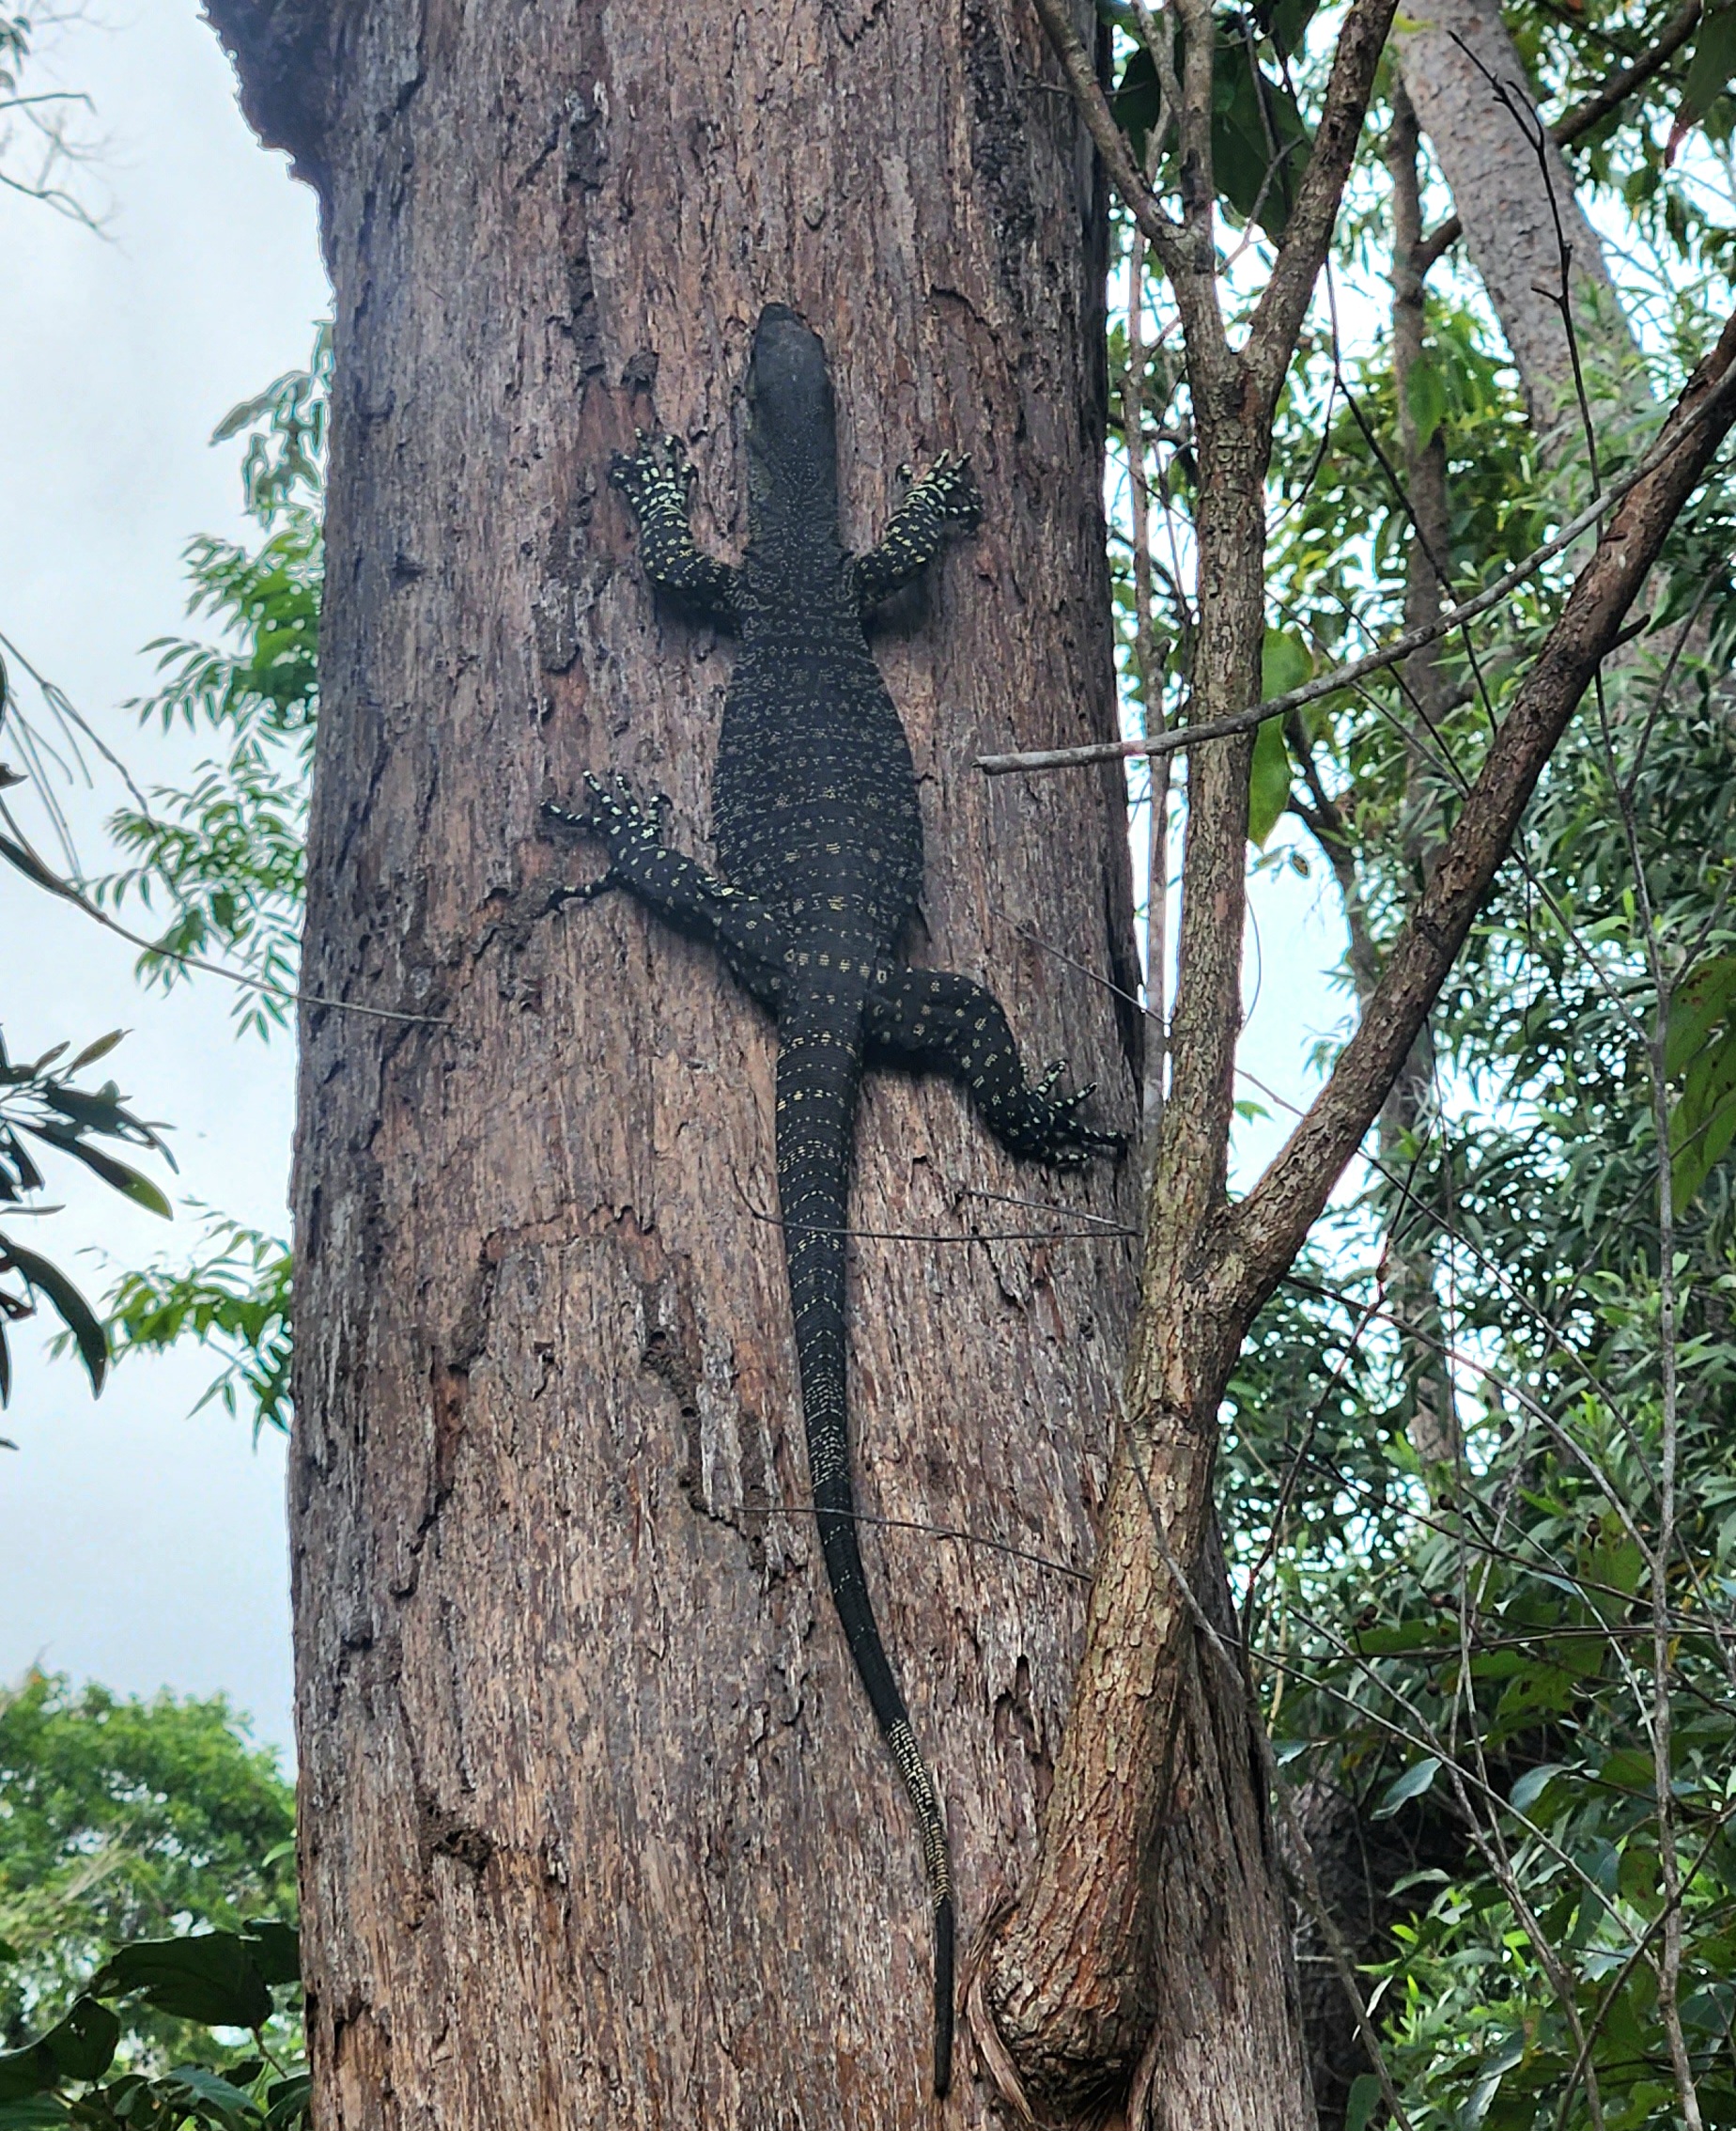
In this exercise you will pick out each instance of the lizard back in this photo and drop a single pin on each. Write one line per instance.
(814, 799)
(819, 837)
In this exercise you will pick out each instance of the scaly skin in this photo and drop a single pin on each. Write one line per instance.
(819, 838)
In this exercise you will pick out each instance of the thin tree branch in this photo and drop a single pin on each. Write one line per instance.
(1390, 654)
(1307, 232)
(1267, 1229)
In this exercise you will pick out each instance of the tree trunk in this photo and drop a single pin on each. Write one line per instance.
(596, 1825)
(1514, 195)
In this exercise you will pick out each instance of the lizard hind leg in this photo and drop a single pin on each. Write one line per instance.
(934, 1019)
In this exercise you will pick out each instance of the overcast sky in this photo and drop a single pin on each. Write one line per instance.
(138, 1546)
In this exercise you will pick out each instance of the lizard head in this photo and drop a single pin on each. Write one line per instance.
(792, 425)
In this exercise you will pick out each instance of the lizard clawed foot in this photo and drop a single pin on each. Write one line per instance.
(656, 472)
(1055, 1133)
(950, 487)
(618, 816)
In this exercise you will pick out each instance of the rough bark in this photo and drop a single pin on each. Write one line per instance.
(1518, 209)
(597, 1827)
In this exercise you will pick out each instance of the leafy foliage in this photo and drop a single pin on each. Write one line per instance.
(135, 1839)
(1259, 141)
(39, 143)
(123, 1819)
(1513, 1678)
(236, 1299)
(227, 855)
(40, 1102)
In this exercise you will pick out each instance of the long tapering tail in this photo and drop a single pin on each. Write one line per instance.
(819, 1070)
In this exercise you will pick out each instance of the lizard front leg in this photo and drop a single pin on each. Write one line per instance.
(944, 501)
(933, 1018)
(655, 479)
(687, 898)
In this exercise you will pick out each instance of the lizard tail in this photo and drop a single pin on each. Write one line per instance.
(819, 1068)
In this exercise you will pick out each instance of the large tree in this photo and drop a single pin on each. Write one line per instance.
(577, 1733)
(570, 1691)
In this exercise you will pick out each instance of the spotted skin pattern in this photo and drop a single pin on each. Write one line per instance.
(819, 838)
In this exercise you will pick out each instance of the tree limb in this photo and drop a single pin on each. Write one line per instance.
(1266, 1231)
(1284, 300)
(1390, 654)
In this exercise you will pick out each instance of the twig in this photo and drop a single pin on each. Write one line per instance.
(1391, 652)
(34, 867)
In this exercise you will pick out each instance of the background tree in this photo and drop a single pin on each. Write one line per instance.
(124, 1819)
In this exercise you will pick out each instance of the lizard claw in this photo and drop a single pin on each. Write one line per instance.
(952, 487)
(616, 815)
(1057, 1134)
(656, 472)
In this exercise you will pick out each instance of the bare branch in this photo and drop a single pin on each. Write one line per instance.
(1284, 302)
(1163, 234)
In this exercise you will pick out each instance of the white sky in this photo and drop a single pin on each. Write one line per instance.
(140, 1546)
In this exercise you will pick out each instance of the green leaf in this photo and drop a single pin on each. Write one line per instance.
(1285, 22)
(75, 1313)
(1703, 1122)
(125, 1180)
(286, 2100)
(38, 2112)
(1425, 395)
(1532, 1785)
(1268, 781)
(80, 2047)
(1710, 74)
(1285, 662)
(210, 1977)
(214, 2091)
(1697, 1008)
(276, 1949)
(92, 1051)
(1412, 1785)
(1363, 2099)
(1260, 144)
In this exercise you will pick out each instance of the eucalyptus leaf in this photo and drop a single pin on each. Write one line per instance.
(1412, 1785)
(1268, 782)
(75, 1313)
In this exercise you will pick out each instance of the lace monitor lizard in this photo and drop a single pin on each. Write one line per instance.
(817, 832)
